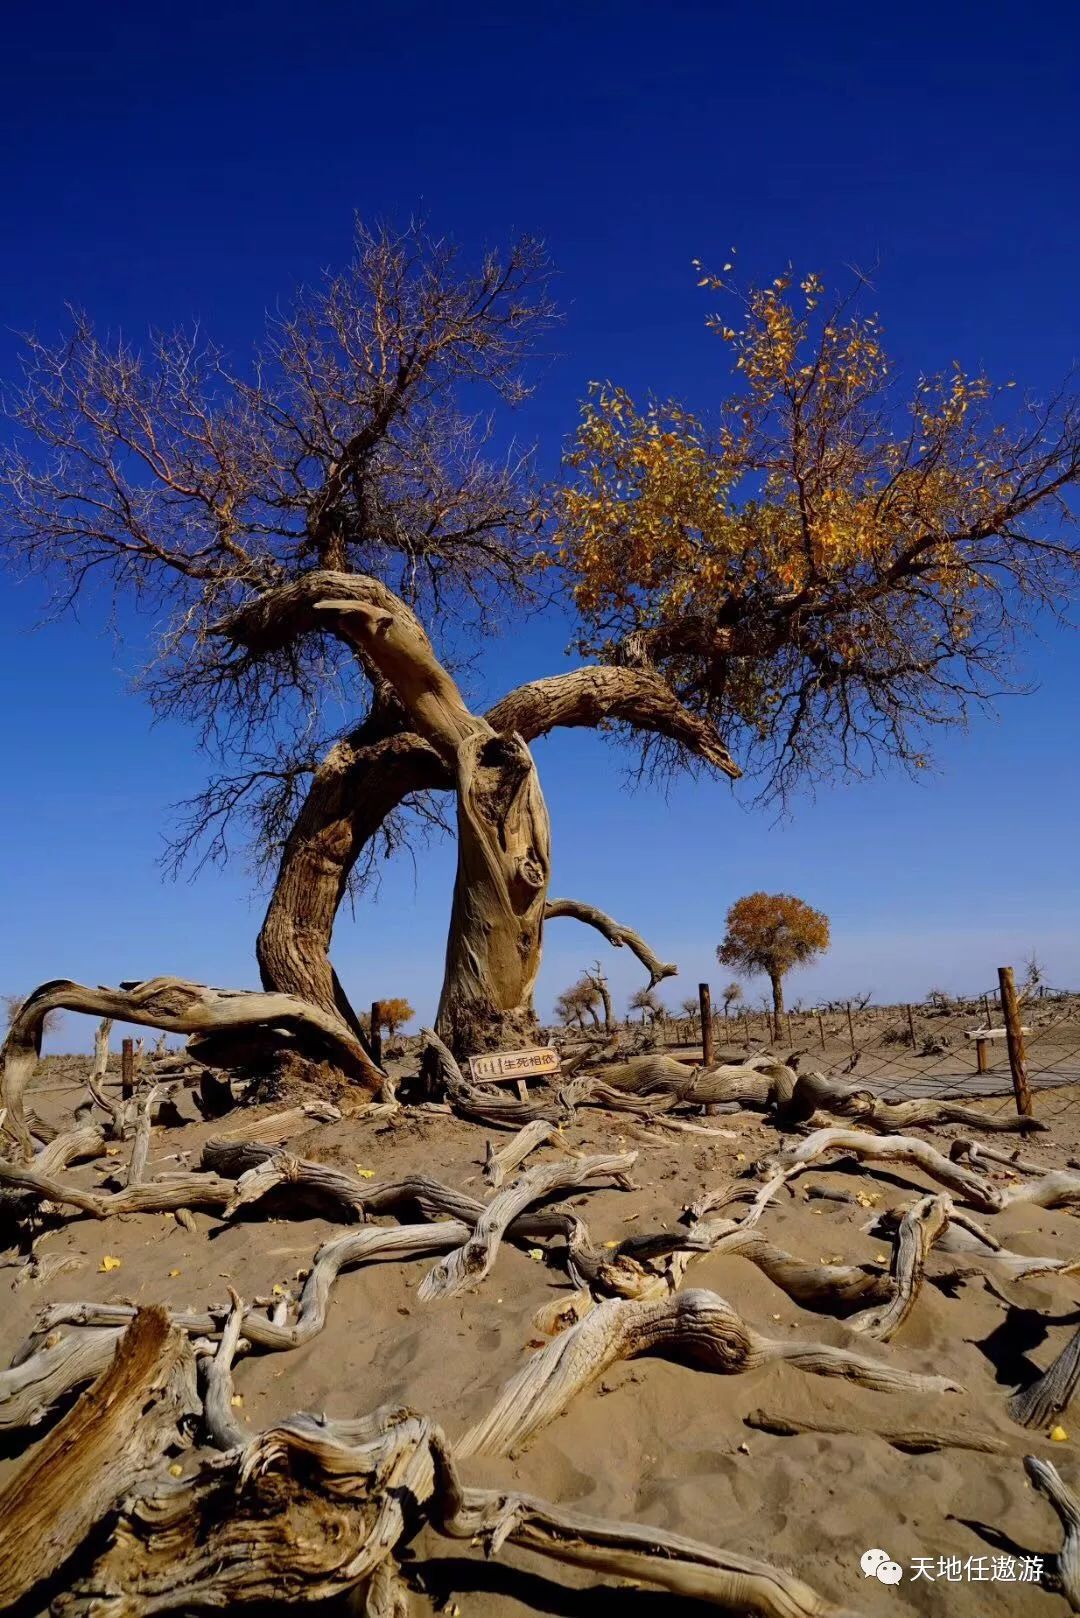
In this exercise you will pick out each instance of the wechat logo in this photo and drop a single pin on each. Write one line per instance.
(878, 1564)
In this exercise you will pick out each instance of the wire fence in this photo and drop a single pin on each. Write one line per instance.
(905, 1052)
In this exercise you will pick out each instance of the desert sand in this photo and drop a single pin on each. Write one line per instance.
(650, 1440)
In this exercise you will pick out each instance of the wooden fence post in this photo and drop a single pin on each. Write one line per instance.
(850, 1025)
(911, 1026)
(1014, 1038)
(376, 1032)
(820, 1028)
(705, 1005)
(127, 1069)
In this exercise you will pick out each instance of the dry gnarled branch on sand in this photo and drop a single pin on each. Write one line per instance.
(179, 1007)
(470, 1262)
(919, 1230)
(970, 1187)
(498, 1164)
(1060, 1188)
(813, 1092)
(694, 1325)
(185, 1190)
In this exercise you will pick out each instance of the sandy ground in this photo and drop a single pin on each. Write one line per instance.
(652, 1441)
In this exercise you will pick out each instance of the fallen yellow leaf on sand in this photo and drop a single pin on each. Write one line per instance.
(611, 1244)
(881, 1258)
(365, 1174)
(536, 1252)
(174, 1273)
(108, 1262)
(1058, 1434)
(279, 1290)
(176, 1470)
(237, 1399)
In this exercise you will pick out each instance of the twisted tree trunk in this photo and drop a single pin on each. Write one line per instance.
(435, 742)
(359, 784)
(504, 864)
(504, 836)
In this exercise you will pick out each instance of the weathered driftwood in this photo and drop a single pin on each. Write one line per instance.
(970, 1187)
(95, 1082)
(834, 1288)
(180, 1007)
(759, 1082)
(963, 1235)
(615, 934)
(743, 1190)
(222, 1426)
(663, 1082)
(96, 1453)
(469, 1263)
(1059, 1188)
(77, 1145)
(190, 1190)
(1045, 1477)
(140, 1146)
(1052, 1392)
(975, 1153)
(44, 1376)
(274, 1128)
(919, 1230)
(912, 1440)
(646, 1105)
(498, 1164)
(683, 1126)
(813, 1092)
(263, 1169)
(697, 1326)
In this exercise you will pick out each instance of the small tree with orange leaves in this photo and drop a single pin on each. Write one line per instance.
(394, 1014)
(772, 933)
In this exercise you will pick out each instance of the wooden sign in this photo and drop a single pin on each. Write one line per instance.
(504, 1067)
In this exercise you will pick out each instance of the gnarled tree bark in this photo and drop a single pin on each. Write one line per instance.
(180, 1007)
(493, 952)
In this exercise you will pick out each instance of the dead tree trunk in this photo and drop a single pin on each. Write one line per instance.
(504, 863)
(359, 784)
(504, 836)
(493, 952)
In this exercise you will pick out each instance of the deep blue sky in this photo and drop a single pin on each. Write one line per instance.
(168, 162)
